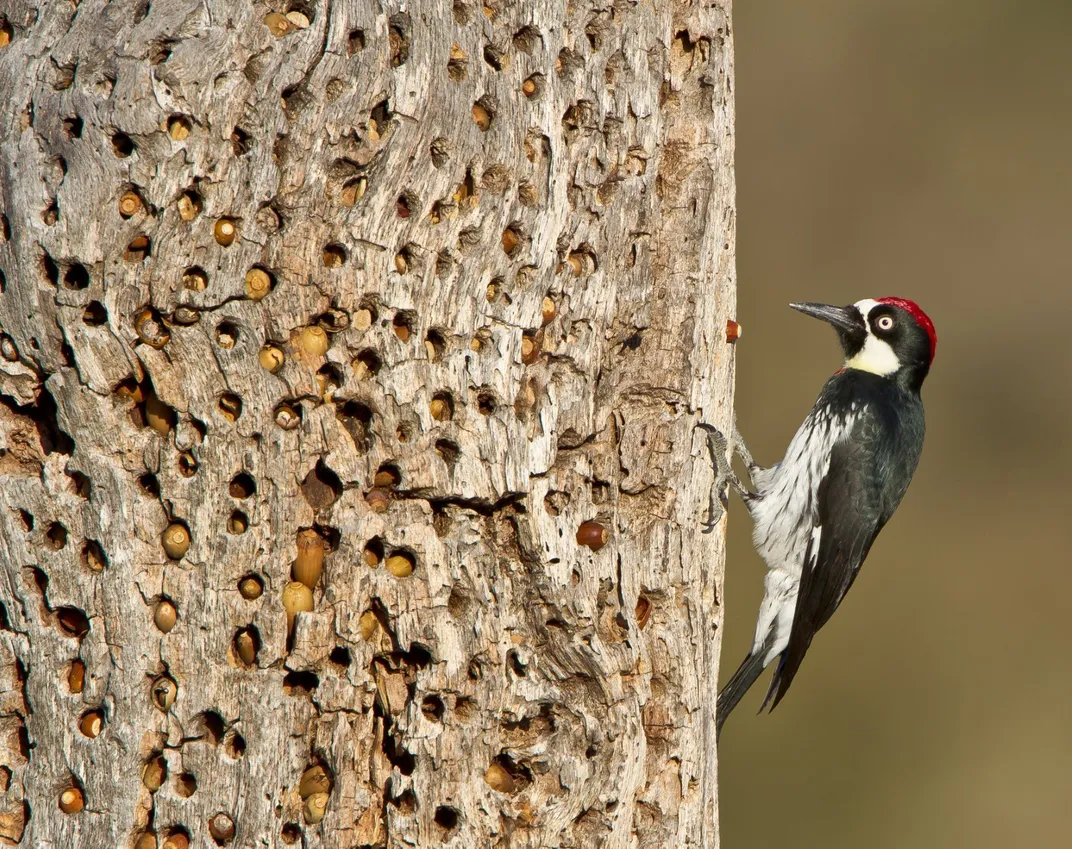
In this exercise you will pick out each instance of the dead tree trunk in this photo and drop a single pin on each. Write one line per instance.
(350, 494)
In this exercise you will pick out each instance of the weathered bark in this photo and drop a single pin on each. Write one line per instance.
(515, 224)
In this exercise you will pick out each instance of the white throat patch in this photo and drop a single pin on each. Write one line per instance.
(876, 356)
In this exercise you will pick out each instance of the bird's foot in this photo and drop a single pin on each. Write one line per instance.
(725, 476)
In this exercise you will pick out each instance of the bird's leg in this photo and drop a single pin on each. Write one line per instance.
(740, 448)
(725, 476)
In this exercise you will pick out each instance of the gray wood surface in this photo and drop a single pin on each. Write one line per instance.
(418, 179)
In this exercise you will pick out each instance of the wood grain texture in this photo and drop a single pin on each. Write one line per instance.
(416, 180)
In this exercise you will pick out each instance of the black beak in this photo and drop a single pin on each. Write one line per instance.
(843, 318)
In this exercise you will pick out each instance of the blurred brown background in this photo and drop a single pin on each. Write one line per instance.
(918, 148)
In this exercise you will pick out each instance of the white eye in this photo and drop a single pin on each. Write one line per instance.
(885, 322)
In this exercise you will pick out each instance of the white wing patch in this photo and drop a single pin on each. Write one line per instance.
(784, 522)
(876, 356)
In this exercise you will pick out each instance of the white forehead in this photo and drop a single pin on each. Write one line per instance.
(865, 306)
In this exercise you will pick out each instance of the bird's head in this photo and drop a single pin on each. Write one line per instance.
(890, 337)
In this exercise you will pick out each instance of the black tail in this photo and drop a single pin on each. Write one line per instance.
(736, 687)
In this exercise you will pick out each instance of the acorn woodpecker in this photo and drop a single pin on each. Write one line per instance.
(817, 512)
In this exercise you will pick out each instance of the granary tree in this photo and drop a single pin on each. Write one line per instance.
(352, 353)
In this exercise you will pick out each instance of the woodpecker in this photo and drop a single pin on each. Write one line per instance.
(817, 512)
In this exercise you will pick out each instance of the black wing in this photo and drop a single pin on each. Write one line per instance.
(852, 491)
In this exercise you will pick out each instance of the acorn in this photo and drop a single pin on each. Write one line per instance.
(150, 329)
(549, 310)
(221, 828)
(499, 779)
(313, 340)
(165, 616)
(353, 191)
(315, 807)
(733, 331)
(178, 127)
(401, 263)
(158, 415)
(250, 587)
(309, 564)
(481, 117)
(163, 693)
(386, 477)
(245, 647)
(377, 499)
(510, 241)
(146, 841)
(189, 206)
(8, 350)
(195, 280)
(315, 779)
(297, 19)
(185, 316)
(363, 319)
(154, 773)
(91, 723)
(72, 800)
(76, 676)
(277, 24)
(271, 358)
(400, 565)
(367, 625)
(372, 555)
(297, 598)
(530, 347)
(230, 406)
(258, 283)
(226, 335)
(528, 88)
(225, 231)
(440, 408)
(178, 840)
(593, 535)
(643, 611)
(176, 540)
(286, 417)
(129, 204)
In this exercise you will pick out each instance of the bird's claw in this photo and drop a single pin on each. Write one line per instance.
(725, 477)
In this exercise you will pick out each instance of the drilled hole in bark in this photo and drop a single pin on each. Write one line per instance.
(356, 418)
(300, 683)
(73, 622)
(242, 486)
(235, 747)
(367, 364)
(122, 145)
(433, 708)
(93, 556)
(485, 403)
(448, 451)
(56, 536)
(340, 656)
(435, 345)
(403, 325)
(49, 268)
(516, 666)
(387, 476)
(291, 833)
(185, 784)
(355, 41)
(398, 39)
(72, 127)
(149, 485)
(447, 818)
(237, 523)
(334, 255)
(187, 464)
(374, 552)
(494, 57)
(527, 39)
(139, 249)
(76, 277)
(321, 487)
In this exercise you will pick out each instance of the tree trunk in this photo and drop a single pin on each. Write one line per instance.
(350, 491)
